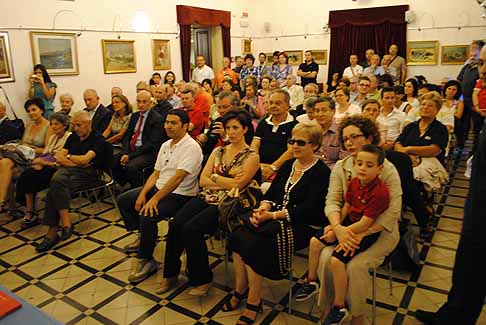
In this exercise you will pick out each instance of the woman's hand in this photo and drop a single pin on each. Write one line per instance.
(329, 237)
(347, 252)
(401, 149)
(266, 171)
(262, 215)
(346, 237)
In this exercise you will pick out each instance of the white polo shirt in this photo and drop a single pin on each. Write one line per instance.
(186, 155)
(350, 72)
(199, 74)
(393, 123)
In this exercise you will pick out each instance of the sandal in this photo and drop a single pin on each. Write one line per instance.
(228, 306)
(254, 308)
(30, 219)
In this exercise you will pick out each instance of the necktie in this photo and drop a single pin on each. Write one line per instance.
(135, 136)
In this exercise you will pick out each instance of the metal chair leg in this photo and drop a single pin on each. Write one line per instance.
(290, 291)
(113, 198)
(373, 297)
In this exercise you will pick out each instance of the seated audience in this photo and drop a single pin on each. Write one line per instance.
(36, 178)
(363, 87)
(308, 116)
(156, 79)
(374, 67)
(371, 109)
(119, 122)
(100, 116)
(367, 61)
(292, 205)
(8, 131)
(452, 104)
(202, 101)
(296, 92)
(411, 92)
(354, 69)
(446, 117)
(162, 105)
(67, 101)
(366, 199)
(373, 91)
(310, 90)
(172, 98)
(353, 88)
(265, 86)
(249, 70)
(253, 103)
(389, 70)
(332, 84)
(41, 86)
(114, 91)
(80, 162)
(282, 69)
(272, 133)
(239, 62)
(169, 78)
(262, 60)
(343, 107)
(331, 150)
(140, 143)
(230, 166)
(172, 184)
(179, 87)
(390, 117)
(308, 70)
(401, 102)
(202, 71)
(274, 84)
(196, 117)
(36, 135)
(225, 73)
(355, 132)
(142, 85)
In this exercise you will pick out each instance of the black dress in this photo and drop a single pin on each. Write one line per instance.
(305, 204)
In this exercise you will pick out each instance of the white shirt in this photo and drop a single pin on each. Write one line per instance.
(185, 155)
(139, 139)
(199, 74)
(353, 72)
(296, 93)
(92, 112)
(393, 123)
(352, 110)
(304, 118)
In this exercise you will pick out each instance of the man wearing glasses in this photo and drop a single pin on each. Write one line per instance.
(363, 89)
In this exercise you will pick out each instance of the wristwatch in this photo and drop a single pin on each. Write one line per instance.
(273, 168)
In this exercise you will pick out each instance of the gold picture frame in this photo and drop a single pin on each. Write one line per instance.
(119, 56)
(422, 52)
(320, 56)
(58, 52)
(246, 46)
(454, 54)
(295, 57)
(6, 65)
(161, 54)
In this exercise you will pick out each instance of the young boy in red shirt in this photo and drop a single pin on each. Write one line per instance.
(367, 197)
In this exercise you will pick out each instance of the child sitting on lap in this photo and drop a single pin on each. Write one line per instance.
(366, 198)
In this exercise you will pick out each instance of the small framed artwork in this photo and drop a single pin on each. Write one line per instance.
(161, 54)
(295, 57)
(320, 56)
(56, 51)
(119, 56)
(6, 66)
(269, 61)
(246, 46)
(422, 52)
(454, 54)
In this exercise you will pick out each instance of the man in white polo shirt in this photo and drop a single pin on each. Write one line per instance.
(202, 71)
(390, 117)
(173, 183)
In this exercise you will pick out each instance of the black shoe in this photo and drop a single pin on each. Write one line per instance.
(426, 317)
(30, 219)
(307, 291)
(47, 244)
(66, 233)
(243, 320)
(336, 316)
(239, 298)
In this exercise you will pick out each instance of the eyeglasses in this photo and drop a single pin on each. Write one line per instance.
(352, 137)
(300, 143)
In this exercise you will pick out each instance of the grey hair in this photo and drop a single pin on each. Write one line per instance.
(283, 92)
(315, 86)
(61, 118)
(83, 115)
(310, 102)
(228, 94)
(93, 91)
(67, 95)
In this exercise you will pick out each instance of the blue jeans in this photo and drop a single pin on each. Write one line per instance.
(168, 207)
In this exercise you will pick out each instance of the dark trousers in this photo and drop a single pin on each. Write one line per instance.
(168, 207)
(64, 182)
(411, 191)
(477, 121)
(33, 181)
(462, 128)
(132, 172)
(186, 232)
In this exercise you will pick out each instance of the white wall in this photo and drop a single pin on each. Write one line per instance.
(310, 17)
(100, 15)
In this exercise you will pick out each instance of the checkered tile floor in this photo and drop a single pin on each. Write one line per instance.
(84, 280)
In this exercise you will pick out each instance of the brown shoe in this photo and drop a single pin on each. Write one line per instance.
(167, 284)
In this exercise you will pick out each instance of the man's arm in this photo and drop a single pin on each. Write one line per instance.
(171, 184)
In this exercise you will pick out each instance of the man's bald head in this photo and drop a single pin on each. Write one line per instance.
(144, 100)
(116, 91)
(91, 99)
(81, 124)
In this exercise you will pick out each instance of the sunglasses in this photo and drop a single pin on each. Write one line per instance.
(300, 143)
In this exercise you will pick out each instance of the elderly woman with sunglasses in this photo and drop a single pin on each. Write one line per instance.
(292, 204)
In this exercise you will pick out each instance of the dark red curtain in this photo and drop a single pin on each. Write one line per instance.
(355, 31)
(187, 16)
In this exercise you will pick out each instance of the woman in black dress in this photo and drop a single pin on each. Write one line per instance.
(282, 223)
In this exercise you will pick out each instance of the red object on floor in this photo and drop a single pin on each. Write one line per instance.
(7, 304)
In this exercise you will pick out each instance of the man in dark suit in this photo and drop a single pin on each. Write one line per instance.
(140, 144)
(100, 115)
(160, 94)
(7, 131)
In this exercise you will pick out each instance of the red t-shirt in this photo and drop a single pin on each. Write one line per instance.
(482, 94)
(197, 119)
(201, 103)
(369, 200)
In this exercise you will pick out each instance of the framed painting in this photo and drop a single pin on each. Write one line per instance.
(422, 52)
(161, 54)
(295, 57)
(56, 51)
(119, 56)
(6, 66)
(246, 46)
(320, 56)
(454, 54)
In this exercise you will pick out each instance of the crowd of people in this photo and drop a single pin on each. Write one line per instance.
(335, 166)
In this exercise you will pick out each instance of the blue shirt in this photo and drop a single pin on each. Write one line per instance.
(252, 71)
